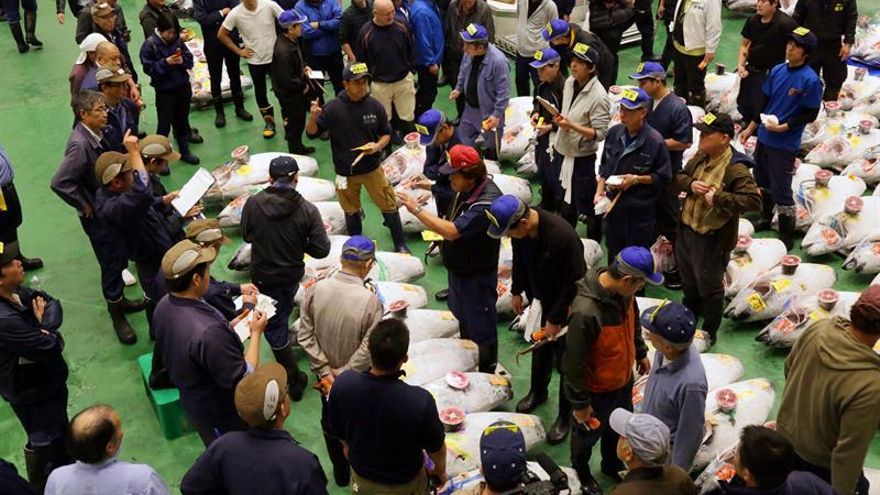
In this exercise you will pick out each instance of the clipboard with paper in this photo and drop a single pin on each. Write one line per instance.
(548, 106)
(193, 191)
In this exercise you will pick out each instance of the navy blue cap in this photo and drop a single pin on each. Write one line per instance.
(504, 211)
(805, 38)
(428, 124)
(283, 166)
(503, 455)
(671, 320)
(555, 29)
(633, 98)
(474, 33)
(585, 53)
(649, 70)
(355, 71)
(545, 56)
(358, 248)
(9, 252)
(638, 262)
(291, 17)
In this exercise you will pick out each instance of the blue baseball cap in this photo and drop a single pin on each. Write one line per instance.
(291, 17)
(634, 98)
(555, 29)
(545, 56)
(585, 53)
(805, 38)
(474, 33)
(358, 248)
(504, 211)
(503, 455)
(671, 320)
(649, 70)
(283, 166)
(637, 261)
(428, 125)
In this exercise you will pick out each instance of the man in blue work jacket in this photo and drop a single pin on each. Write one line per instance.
(484, 83)
(636, 156)
(427, 28)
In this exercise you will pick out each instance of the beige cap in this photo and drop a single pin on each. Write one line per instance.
(112, 74)
(184, 256)
(259, 396)
(109, 165)
(158, 146)
(206, 231)
(102, 9)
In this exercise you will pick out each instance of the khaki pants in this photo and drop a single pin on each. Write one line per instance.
(378, 188)
(401, 93)
(363, 486)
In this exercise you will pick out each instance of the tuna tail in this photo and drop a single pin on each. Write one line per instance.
(851, 264)
(763, 335)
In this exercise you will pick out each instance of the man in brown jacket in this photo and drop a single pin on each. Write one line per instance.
(831, 405)
(719, 188)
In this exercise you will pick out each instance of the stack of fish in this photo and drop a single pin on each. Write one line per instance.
(200, 80)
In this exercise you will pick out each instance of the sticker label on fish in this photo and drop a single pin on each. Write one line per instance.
(756, 302)
(780, 285)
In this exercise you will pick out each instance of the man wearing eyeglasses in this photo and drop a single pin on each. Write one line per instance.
(335, 335)
(604, 342)
(122, 113)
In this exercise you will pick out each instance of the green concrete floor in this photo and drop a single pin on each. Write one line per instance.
(34, 126)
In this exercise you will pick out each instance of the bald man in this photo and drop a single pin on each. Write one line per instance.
(107, 55)
(94, 439)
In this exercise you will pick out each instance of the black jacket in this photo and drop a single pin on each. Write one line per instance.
(552, 92)
(477, 253)
(283, 227)
(607, 15)
(549, 266)
(207, 13)
(149, 18)
(828, 19)
(287, 69)
(353, 20)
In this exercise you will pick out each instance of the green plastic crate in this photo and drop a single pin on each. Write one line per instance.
(165, 402)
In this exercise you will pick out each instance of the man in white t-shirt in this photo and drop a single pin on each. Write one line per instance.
(255, 21)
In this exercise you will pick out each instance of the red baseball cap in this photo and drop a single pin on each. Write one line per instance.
(460, 158)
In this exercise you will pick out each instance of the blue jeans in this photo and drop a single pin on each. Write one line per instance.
(774, 170)
(277, 333)
(111, 254)
(472, 300)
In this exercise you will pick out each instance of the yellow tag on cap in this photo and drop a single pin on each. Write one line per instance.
(709, 118)
(550, 29)
(801, 31)
(422, 129)
(539, 55)
(640, 68)
(580, 48)
(492, 218)
(1, 247)
(630, 94)
(360, 68)
(471, 29)
(431, 236)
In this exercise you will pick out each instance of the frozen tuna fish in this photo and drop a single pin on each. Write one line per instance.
(404, 163)
(482, 392)
(430, 360)
(858, 220)
(518, 130)
(819, 201)
(786, 328)
(865, 256)
(751, 258)
(721, 370)
(866, 167)
(771, 292)
(235, 178)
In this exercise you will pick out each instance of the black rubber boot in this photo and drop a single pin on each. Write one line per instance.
(353, 224)
(559, 431)
(712, 310)
(530, 402)
(35, 465)
(672, 279)
(149, 308)
(124, 332)
(392, 221)
(296, 379)
(594, 228)
(240, 112)
(268, 114)
(18, 36)
(787, 221)
(488, 357)
(220, 113)
(30, 29)
(767, 205)
(159, 378)
(441, 295)
(133, 306)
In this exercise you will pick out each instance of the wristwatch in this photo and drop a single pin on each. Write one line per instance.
(417, 210)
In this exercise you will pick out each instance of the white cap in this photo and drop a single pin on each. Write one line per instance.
(89, 44)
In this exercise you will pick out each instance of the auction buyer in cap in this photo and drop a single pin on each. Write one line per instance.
(793, 95)
(84, 25)
(484, 83)
(604, 343)
(563, 36)
(290, 79)
(105, 21)
(204, 357)
(36, 389)
(676, 389)
(834, 24)
(122, 113)
(334, 336)
(644, 448)
(550, 87)
(469, 254)
(283, 228)
(582, 122)
(502, 461)
(635, 155)
(265, 458)
(438, 135)
(359, 130)
(718, 188)
(696, 34)
(548, 261)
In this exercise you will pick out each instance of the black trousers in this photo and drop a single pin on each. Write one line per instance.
(668, 47)
(628, 227)
(612, 37)
(668, 211)
(451, 68)
(583, 440)
(426, 92)
(259, 75)
(209, 431)
(334, 445)
(172, 109)
(215, 55)
(10, 218)
(751, 94)
(293, 111)
(331, 65)
(702, 265)
(526, 77)
(826, 58)
(644, 20)
(544, 360)
(46, 426)
(111, 255)
(548, 180)
(689, 82)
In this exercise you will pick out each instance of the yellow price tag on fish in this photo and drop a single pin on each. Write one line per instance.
(468, 344)
(855, 140)
(244, 169)
(781, 285)
(447, 316)
(431, 236)
(756, 302)
(819, 314)
(499, 380)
